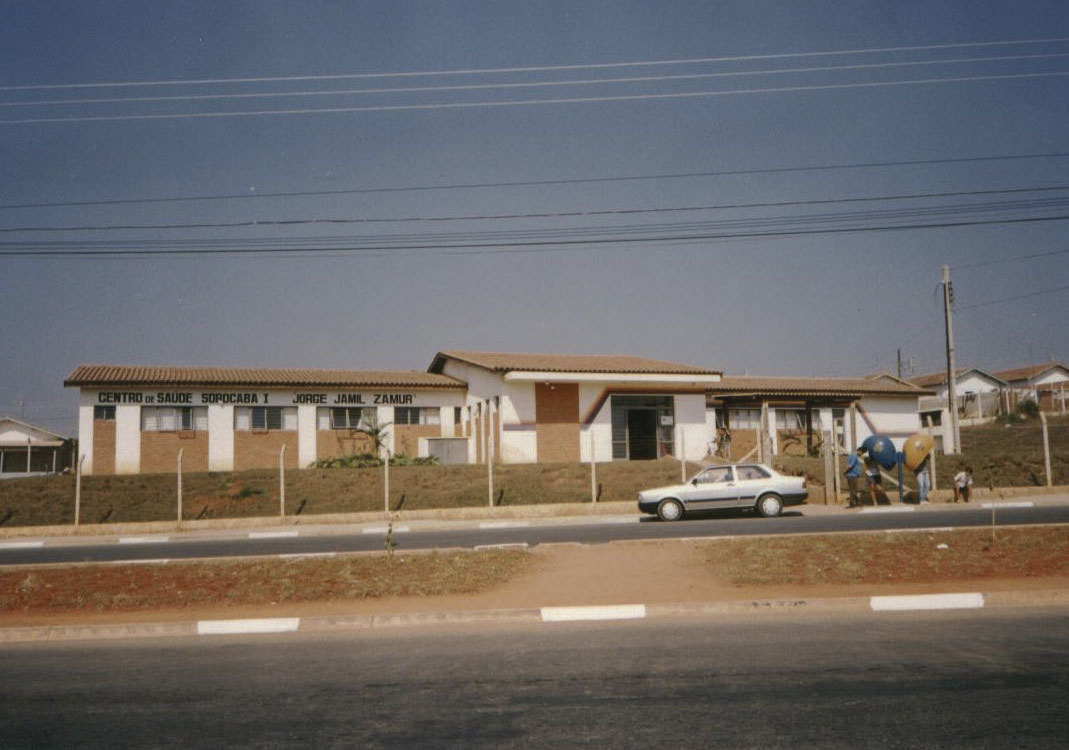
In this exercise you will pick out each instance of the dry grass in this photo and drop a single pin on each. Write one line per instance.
(893, 558)
(153, 497)
(116, 588)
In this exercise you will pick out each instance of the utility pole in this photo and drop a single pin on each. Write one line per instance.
(899, 364)
(948, 301)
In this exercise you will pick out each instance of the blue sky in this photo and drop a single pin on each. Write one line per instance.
(799, 253)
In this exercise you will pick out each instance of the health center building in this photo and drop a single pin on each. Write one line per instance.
(468, 407)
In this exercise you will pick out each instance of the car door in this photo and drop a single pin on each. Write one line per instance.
(713, 488)
(752, 479)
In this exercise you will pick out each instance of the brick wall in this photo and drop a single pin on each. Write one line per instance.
(159, 451)
(338, 443)
(259, 450)
(406, 437)
(557, 421)
(103, 446)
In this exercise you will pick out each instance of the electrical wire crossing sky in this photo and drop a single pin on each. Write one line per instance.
(768, 188)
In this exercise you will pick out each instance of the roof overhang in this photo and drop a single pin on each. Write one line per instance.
(534, 376)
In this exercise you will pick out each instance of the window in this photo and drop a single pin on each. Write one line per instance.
(106, 413)
(345, 418)
(719, 474)
(744, 419)
(751, 472)
(416, 415)
(265, 418)
(174, 418)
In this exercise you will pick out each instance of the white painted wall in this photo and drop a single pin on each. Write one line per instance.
(306, 435)
(127, 438)
(897, 418)
(85, 434)
(220, 437)
(691, 433)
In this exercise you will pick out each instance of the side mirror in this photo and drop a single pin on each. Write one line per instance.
(694, 481)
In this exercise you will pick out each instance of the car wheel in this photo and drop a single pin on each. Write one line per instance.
(769, 506)
(670, 510)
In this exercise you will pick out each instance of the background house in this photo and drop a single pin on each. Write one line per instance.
(28, 449)
(1046, 384)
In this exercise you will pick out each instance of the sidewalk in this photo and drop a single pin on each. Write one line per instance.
(469, 518)
(566, 582)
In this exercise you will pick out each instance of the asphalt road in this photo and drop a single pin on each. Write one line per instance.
(306, 541)
(934, 680)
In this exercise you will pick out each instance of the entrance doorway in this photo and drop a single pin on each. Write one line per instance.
(641, 434)
(642, 427)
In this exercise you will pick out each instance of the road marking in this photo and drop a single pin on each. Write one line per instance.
(919, 530)
(21, 545)
(504, 524)
(293, 555)
(143, 539)
(609, 612)
(507, 545)
(926, 601)
(230, 627)
(893, 509)
(1013, 504)
(384, 529)
(156, 561)
(272, 534)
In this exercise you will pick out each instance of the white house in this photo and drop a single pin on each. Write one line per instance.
(1046, 384)
(29, 449)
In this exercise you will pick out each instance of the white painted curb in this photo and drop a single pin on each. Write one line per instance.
(504, 524)
(926, 601)
(609, 612)
(272, 534)
(1014, 504)
(384, 529)
(21, 545)
(893, 509)
(143, 539)
(230, 627)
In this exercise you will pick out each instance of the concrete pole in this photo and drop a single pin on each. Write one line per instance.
(386, 482)
(829, 472)
(682, 455)
(951, 374)
(282, 482)
(835, 462)
(78, 491)
(489, 455)
(931, 456)
(1046, 449)
(29, 447)
(593, 469)
(180, 485)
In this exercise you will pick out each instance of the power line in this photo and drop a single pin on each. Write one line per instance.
(536, 183)
(539, 68)
(543, 215)
(504, 246)
(1010, 260)
(1014, 298)
(529, 102)
(522, 84)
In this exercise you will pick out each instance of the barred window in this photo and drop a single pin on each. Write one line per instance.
(173, 418)
(346, 418)
(416, 415)
(265, 418)
(106, 413)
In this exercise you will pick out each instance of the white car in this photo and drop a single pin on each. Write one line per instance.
(727, 486)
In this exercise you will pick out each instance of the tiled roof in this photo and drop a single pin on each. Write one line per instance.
(783, 386)
(1027, 373)
(940, 378)
(140, 375)
(593, 363)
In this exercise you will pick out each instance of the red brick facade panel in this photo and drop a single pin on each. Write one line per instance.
(406, 437)
(259, 450)
(159, 451)
(103, 446)
(557, 421)
(338, 443)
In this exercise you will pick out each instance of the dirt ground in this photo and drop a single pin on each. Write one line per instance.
(654, 572)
